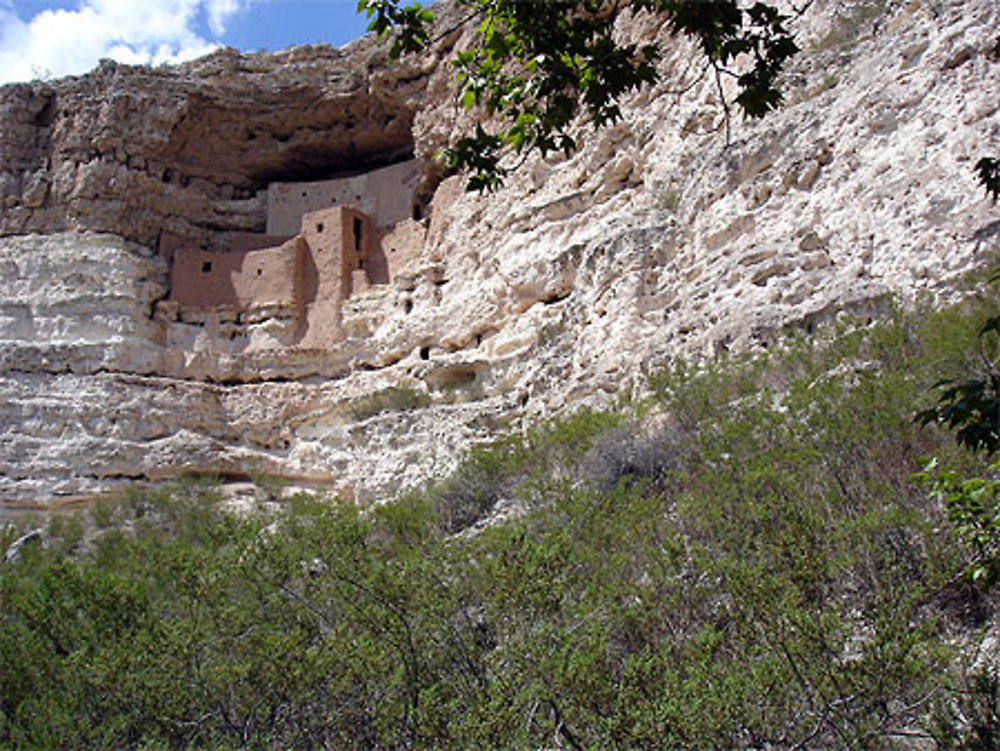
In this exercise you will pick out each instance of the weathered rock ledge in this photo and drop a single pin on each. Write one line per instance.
(657, 240)
(135, 150)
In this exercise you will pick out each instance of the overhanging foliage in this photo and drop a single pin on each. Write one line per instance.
(535, 66)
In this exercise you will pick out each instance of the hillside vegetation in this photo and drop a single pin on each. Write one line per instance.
(743, 560)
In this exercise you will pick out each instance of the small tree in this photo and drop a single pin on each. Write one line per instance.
(988, 170)
(535, 66)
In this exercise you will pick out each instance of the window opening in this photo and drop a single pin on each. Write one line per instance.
(260, 271)
(319, 227)
(358, 228)
(206, 266)
(418, 212)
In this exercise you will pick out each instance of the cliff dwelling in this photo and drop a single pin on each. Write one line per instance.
(325, 241)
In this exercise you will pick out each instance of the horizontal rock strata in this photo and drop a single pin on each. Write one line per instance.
(658, 240)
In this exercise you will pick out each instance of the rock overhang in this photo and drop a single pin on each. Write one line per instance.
(116, 148)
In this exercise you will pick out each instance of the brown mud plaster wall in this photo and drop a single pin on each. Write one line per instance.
(333, 257)
(349, 233)
(239, 278)
(170, 243)
(332, 245)
(338, 265)
(340, 242)
(396, 246)
(385, 195)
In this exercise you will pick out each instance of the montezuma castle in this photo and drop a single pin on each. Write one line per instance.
(325, 242)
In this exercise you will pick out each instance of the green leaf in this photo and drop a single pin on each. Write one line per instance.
(988, 171)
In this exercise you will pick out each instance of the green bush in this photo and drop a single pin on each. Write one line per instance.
(513, 465)
(743, 561)
(392, 399)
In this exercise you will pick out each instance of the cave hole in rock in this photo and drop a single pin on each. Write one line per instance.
(302, 163)
(408, 306)
(425, 353)
(47, 114)
(319, 227)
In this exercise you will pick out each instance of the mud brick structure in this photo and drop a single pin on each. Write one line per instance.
(349, 234)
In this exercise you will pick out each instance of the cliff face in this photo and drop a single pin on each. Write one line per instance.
(657, 240)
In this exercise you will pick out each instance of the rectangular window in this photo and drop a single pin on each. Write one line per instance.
(358, 229)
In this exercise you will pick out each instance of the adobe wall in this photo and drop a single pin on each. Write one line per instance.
(243, 241)
(338, 264)
(385, 195)
(242, 279)
(239, 241)
(339, 241)
(171, 243)
(338, 252)
(396, 246)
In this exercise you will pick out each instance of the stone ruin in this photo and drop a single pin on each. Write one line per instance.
(325, 242)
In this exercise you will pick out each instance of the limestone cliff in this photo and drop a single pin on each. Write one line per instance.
(658, 239)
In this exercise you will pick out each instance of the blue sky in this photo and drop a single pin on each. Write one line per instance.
(51, 38)
(276, 24)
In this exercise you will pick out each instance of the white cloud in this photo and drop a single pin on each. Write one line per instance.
(67, 42)
(220, 11)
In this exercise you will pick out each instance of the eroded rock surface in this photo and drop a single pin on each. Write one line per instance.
(136, 150)
(657, 240)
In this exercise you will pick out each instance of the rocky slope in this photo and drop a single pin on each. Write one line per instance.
(657, 240)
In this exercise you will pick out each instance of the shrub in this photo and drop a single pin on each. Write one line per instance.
(744, 561)
(392, 399)
(507, 468)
